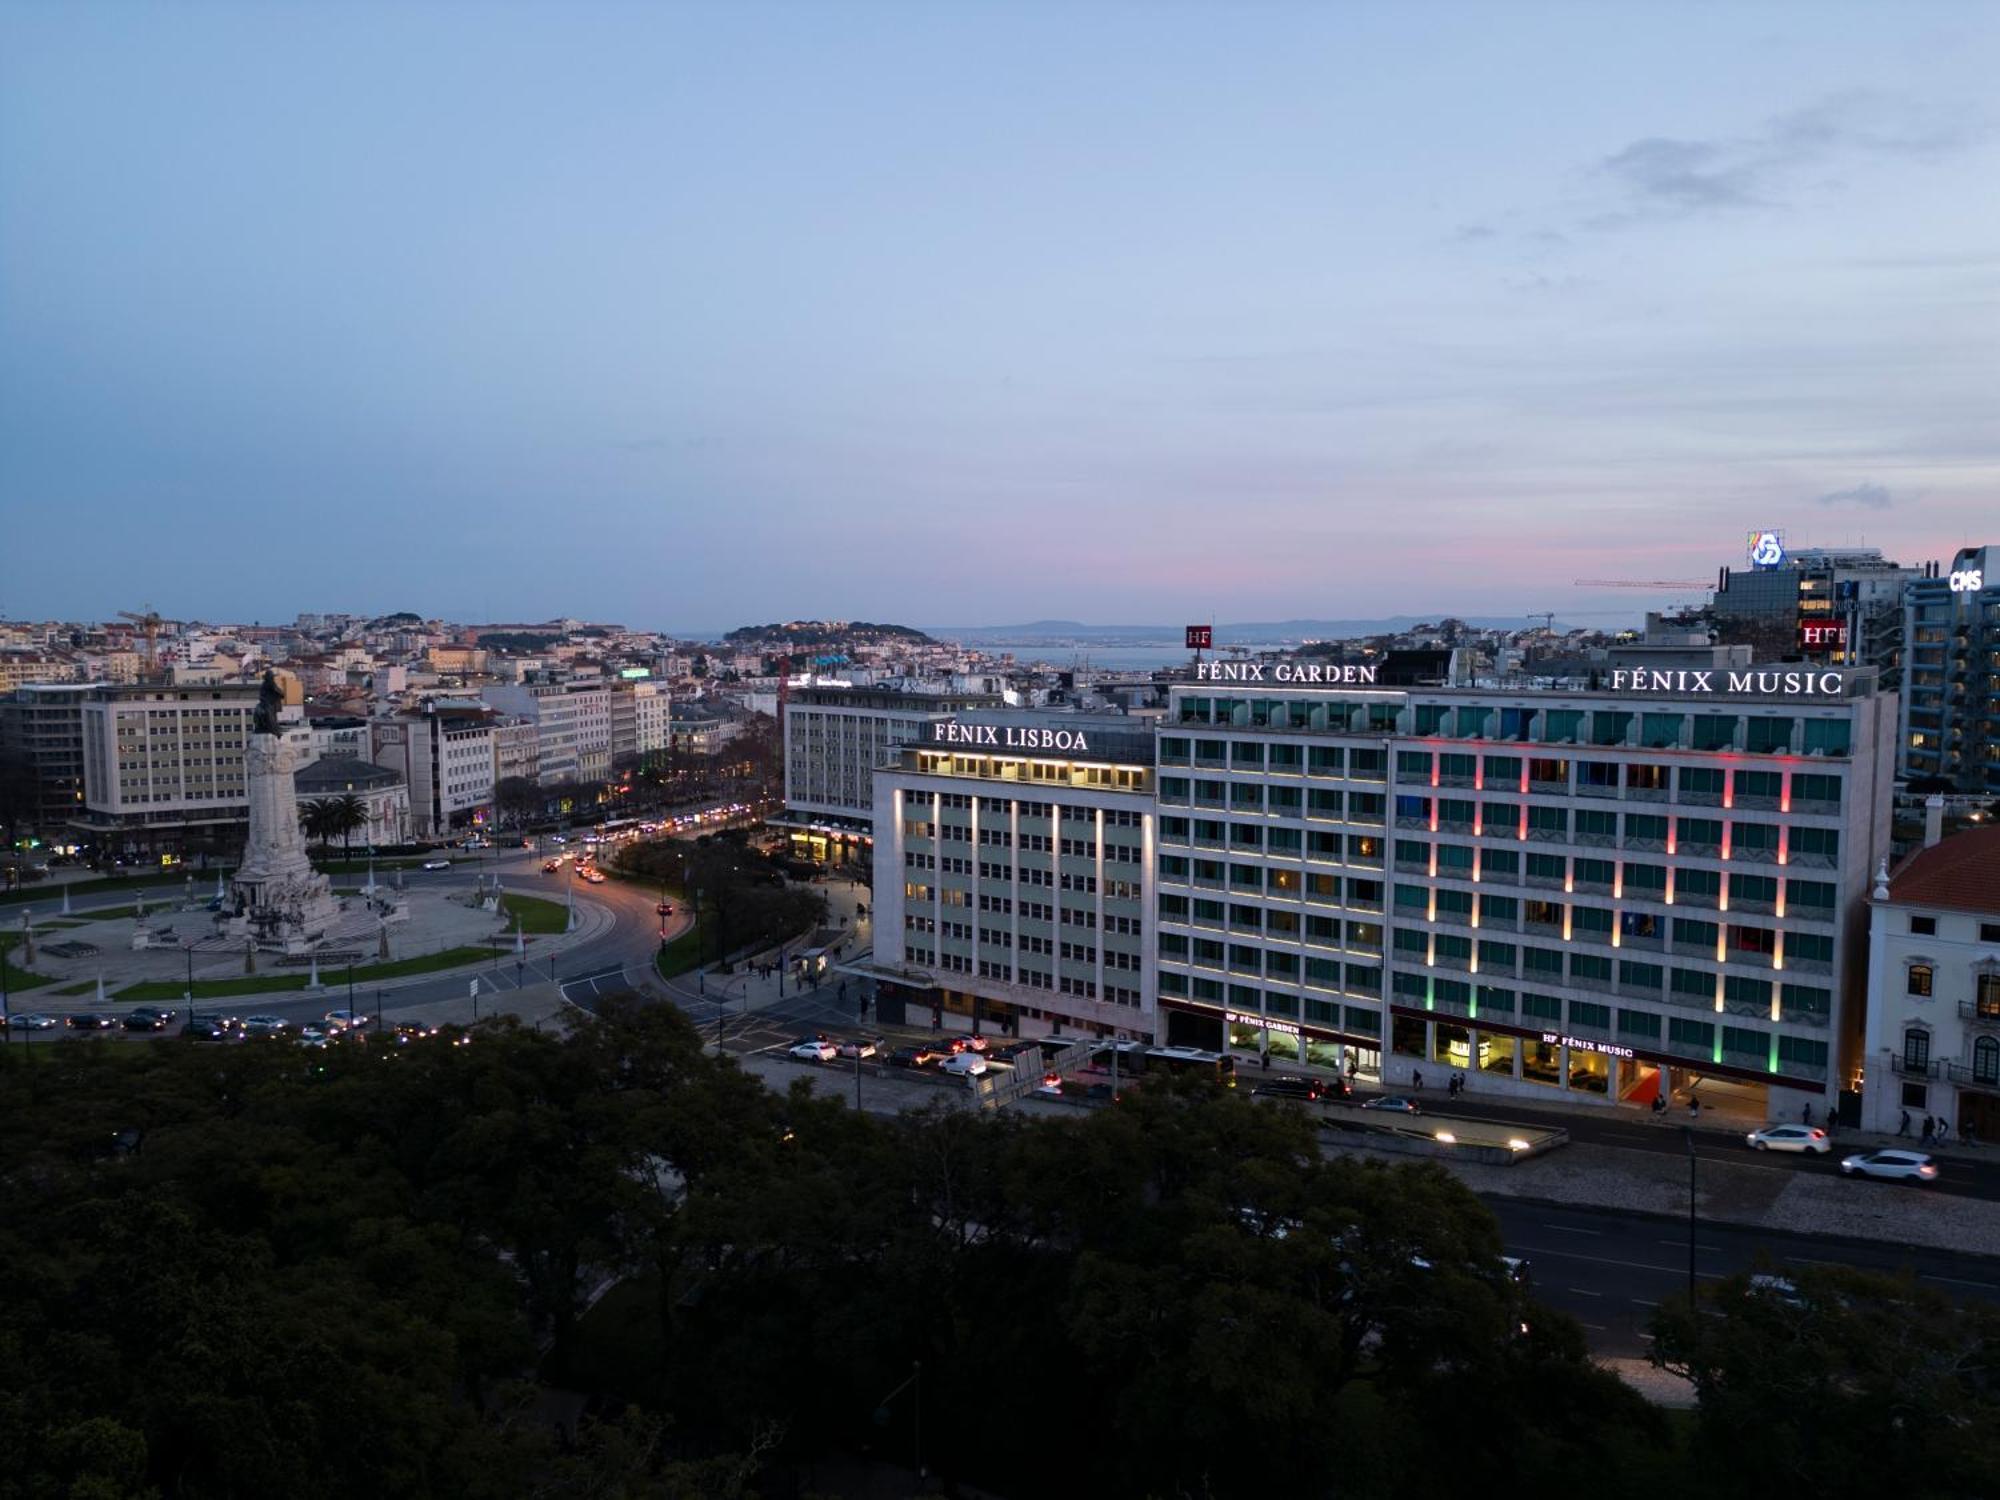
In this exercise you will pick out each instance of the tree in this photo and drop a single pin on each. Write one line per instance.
(517, 799)
(1833, 1380)
(346, 815)
(316, 819)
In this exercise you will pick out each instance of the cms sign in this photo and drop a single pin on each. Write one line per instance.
(1968, 580)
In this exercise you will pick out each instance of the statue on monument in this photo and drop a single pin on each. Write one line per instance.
(270, 701)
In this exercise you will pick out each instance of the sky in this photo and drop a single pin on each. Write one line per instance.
(690, 316)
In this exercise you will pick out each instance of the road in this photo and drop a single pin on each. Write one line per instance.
(1610, 1270)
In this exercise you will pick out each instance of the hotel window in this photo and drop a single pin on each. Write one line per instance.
(1287, 757)
(1641, 1024)
(1827, 737)
(1455, 859)
(1744, 837)
(1693, 934)
(1699, 833)
(1362, 979)
(1322, 760)
(1816, 843)
(1768, 734)
(1739, 990)
(1430, 718)
(1589, 969)
(1503, 770)
(1546, 1007)
(1745, 1042)
(1804, 1000)
(1647, 882)
(1918, 980)
(1561, 726)
(1501, 864)
(1499, 910)
(1759, 940)
(1810, 898)
(1413, 765)
(1714, 731)
(1691, 1034)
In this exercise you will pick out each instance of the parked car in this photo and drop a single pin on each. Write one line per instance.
(89, 1021)
(143, 1019)
(265, 1025)
(1789, 1138)
(814, 1051)
(34, 1020)
(437, 864)
(965, 1065)
(1395, 1103)
(1894, 1166)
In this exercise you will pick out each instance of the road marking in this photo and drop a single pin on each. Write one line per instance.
(1985, 1286)
(1566, 1229)
(1529, 1251)
(1681, 1244)
(1584, 1291)
(1643, 1302)
(1593, 1327)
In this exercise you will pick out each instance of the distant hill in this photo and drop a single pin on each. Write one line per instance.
(825, 633)
(1263, 632)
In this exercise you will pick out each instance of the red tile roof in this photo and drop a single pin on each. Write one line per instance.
(1961, 873)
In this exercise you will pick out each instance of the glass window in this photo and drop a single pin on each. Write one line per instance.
(1919, 980)
(1827, 736)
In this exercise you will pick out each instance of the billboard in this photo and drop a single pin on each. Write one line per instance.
(1766, 549)
(1822, 635)
(1200, 637)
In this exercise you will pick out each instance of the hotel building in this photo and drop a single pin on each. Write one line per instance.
(1600, 892)
(834, 739)
(163, 768)
(1014, 875)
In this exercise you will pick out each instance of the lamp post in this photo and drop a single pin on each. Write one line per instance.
(350, 992)
(1689, 1131)
(187, 947)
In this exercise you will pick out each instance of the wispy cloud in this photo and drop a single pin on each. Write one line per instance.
(1667, 177)
(1868, 495)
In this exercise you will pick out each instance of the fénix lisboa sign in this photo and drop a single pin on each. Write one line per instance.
(1009, 736)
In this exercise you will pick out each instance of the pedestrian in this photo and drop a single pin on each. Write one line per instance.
(1264, 1059)
(1903, 1125)
(1930, 1130)
(843, 1001)
(1944, 1129)
(1660, 1102)
(1806, 1114)
(1694, 1107)
(1353, 1067)
(1416, 1079)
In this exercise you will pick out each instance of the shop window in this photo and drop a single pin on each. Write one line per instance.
(1406, 1036)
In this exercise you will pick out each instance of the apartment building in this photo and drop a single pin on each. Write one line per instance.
(43, 724)
(572, 726)
(638, 716)
(1653, 884)
(1013, 861)
(445, 757)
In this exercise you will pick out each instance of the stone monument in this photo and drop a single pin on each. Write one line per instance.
(280, 901)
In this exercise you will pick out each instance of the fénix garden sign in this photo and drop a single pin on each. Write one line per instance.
(1325, 674)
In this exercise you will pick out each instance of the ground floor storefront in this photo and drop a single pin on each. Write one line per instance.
(1258, 1040)
(1428, 1048)
(829, 842)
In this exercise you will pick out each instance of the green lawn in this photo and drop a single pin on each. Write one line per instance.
(49, 890)
(678, 956)
(18, 978)
(537, 915)
(257, 984)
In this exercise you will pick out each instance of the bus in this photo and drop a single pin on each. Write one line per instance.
(1204, 1064)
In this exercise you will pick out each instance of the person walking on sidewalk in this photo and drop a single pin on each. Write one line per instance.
(1930, 1130)
(1903, 1125)
(1694, 1107)
(1943, 1130)
(1806, 1114)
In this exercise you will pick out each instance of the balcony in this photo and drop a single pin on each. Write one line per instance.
(1550, 788)
(1693, 850)
(1756, 804)
(1458, 781)
(1592, 789)
(1645, 794)
(1988, 1078)
(1910, 1067)
(1972, 1010)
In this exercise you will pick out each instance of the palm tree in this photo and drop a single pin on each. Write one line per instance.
(316, 818)
(344, 816)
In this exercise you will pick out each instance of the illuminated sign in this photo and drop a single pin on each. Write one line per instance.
(1009, 737)
(1200, 637)
(1766, 549)
(633, 674)
(1322, 674)
(1578, 1044)
(1251, 1018)
(1756, 682)
(1823, 635)
(1968, 580)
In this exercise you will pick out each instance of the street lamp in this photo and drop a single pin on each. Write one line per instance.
(350, 992)
(1689, 1131)
(187, 947)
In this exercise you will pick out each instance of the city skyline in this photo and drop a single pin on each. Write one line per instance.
(718, 315)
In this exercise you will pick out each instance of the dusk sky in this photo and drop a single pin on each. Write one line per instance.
(690, 316)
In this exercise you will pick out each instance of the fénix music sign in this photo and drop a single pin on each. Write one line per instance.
(1322, 674)
(1009, 737)
(1756, 681)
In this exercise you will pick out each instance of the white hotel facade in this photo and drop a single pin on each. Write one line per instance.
(1654, 882)
(1013, 861)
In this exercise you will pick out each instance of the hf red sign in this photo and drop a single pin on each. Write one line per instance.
(1822, 635)
(1200, 637)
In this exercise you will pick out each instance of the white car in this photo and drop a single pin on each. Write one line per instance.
(1902, 1166)
(814, 1051)
(965, 1064)
(34, 1020)
(264, 1025)
(1400, 1104)
(862, 1048)
(1789, 1138)
(437, 864)
(340, 1020)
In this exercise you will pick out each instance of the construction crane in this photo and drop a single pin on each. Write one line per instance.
(150, 622)
(1639, 583)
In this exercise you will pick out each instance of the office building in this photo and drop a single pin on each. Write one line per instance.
(1934, 988)
(42, 724)
(1013, 865)
(1842, 606)
(1951, 679)
(572, 726)
(445, 757)
(163, 769)
(638, 715)
(1598, 892)
(834, 739)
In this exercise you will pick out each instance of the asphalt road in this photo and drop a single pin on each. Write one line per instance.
(1976, 1177)
(1610, 1270)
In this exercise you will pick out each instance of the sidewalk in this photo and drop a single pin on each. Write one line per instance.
(748, 988)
